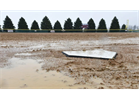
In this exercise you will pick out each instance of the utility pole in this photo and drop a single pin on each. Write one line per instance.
(127, 24)
(138, 22)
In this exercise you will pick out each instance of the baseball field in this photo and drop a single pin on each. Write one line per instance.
(36, 61)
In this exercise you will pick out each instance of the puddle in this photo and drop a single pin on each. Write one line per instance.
(28, 74)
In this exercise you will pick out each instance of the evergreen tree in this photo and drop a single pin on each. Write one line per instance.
(102, 26)
(77, 25)
(91, 26)
(115, 27)
(0, 29)
(68, 25)
(123, 28)
(46, 24)
(22, 25)
(57, 26)
(35, 26)
(8, 24)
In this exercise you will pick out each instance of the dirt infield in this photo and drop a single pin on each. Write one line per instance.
(122, 72)
(63, 36)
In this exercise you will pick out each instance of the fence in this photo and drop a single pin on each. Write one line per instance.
(67, 30)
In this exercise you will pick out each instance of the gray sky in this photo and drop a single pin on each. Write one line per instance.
(53, 16)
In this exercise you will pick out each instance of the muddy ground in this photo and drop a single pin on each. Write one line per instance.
(119, 73)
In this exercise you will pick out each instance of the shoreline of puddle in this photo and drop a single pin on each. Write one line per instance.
(28, 74)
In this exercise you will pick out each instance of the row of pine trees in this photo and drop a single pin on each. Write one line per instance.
(46, 26)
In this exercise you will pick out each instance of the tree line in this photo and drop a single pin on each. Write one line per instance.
(69, 26)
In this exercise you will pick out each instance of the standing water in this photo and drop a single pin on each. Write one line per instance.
(28, 74)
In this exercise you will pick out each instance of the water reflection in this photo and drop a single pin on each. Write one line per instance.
(27, 73)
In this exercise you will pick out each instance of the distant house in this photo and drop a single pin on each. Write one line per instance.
(84, 26)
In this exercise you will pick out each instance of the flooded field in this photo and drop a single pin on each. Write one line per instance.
(36, 61)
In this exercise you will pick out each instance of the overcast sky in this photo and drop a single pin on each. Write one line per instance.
(30, 16)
